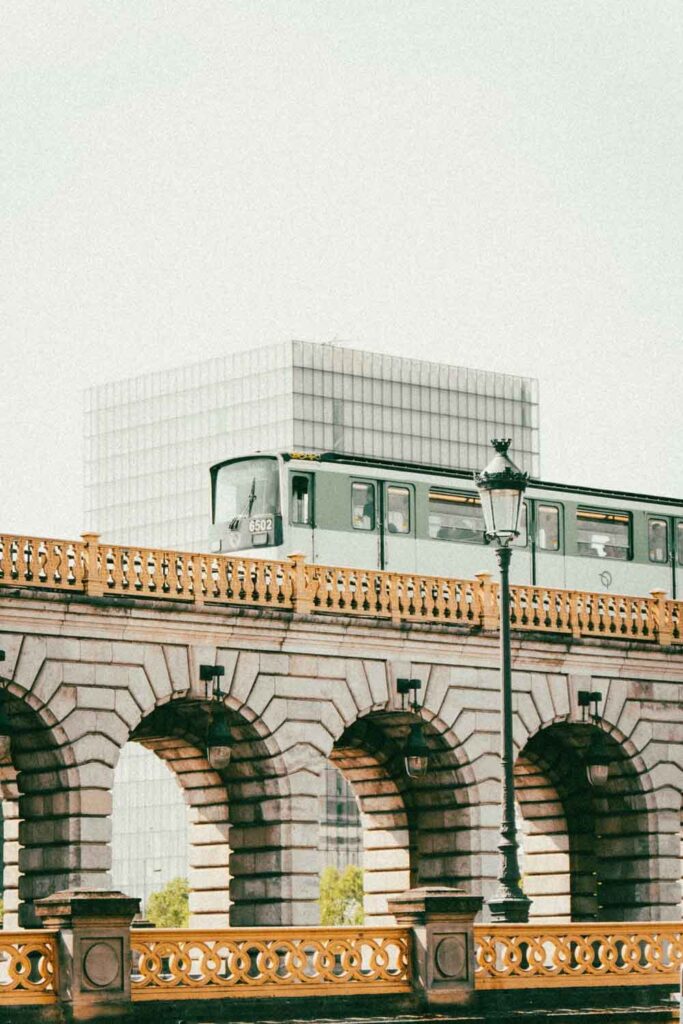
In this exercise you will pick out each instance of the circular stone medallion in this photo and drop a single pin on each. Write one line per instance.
(101, 965)
(449, 957)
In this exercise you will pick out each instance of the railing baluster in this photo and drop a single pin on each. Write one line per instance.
(94, 568)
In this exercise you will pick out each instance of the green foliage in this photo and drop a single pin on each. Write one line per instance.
(341, 895)
(169, 908)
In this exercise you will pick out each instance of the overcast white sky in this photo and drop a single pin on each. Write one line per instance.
(495, 184)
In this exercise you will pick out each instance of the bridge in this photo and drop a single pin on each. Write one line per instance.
(103, 645)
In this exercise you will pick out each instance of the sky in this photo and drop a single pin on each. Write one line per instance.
(491, 184)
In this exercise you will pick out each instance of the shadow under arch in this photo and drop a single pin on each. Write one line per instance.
(412, 828)
(238, 817)
(586, 850)
(52, 829)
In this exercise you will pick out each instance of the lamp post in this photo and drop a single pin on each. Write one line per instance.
(501, 489)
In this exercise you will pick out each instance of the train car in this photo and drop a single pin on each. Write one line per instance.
(376, 513)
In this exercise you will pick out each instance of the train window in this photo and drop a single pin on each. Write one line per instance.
(302, 499)
(246, 488)
(363, 506)
(520, 541)
(456, 517)
(603, 534)
(679, 542)
(548, 528)
(398, 510)
(657, 540)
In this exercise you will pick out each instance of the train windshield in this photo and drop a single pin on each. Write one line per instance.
(250, 487)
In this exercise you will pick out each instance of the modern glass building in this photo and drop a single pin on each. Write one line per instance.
(149, 824)
(150, 440)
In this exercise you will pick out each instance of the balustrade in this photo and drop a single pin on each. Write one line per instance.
(255, 962)
(28, 968)
(96, 569)
(545, 956)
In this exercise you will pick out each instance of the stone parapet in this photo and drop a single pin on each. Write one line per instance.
(442, 923)
(93, 947)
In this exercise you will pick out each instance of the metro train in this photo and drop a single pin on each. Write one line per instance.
(376, 513)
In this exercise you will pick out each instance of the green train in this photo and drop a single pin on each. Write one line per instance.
(376, 513)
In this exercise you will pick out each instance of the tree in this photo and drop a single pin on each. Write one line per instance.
(169, 908)
(341, 895)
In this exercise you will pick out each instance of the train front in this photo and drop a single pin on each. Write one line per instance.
(246, 507)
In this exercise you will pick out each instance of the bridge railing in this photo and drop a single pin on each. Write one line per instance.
(91, 567)
(553, 955)
(28, 968)
(252, 962)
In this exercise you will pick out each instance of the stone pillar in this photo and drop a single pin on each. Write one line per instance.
(442, 923)
(93, 949)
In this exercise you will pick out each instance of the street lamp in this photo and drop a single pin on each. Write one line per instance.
(598, 758)
(218, 738)
(416, 751)
(501, 489)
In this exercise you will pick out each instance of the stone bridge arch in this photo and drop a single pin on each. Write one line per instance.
(593, 853)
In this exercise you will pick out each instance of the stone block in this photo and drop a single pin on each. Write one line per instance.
(31, 657)
(204, 814)
(386, 881)
(177, 667)
(207, 921)
(97, 651)
(386, 860)
(358, 685)
(48, 680)
(217, 855)
(244, 676)
(213, 901)
(208, 878)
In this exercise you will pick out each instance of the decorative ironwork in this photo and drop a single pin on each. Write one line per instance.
(547, 955)
(28, 968)
(88, 567)
(172, 964)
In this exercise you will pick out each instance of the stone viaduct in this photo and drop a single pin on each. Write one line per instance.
(311, 682)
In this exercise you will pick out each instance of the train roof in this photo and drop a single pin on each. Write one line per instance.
(455, 474)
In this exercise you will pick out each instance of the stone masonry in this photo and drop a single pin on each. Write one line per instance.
(85, 675)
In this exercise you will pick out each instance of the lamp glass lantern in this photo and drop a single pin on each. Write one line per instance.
(218, 738)
(597, 761)
(416, 752)
(501, 486)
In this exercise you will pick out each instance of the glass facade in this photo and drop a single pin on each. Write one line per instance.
(149, 824)
(149, 440)
(341, 837)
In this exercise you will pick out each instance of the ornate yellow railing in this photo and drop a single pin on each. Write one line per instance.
(269, 962)
(28, 968)
(545, 956)
(90, 567)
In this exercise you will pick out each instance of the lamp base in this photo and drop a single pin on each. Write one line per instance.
(509, 909)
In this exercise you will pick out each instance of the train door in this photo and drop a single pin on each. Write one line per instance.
(365, 547)
(397, 527)
(546, 532)
(302, 515)
(677, 559)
